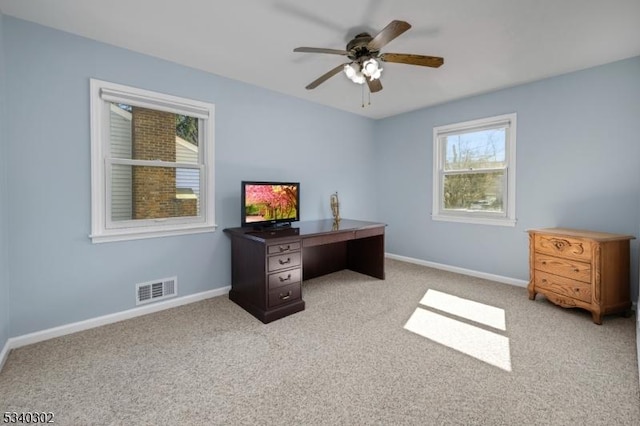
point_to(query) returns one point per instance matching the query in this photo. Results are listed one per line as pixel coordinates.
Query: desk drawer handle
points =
(282, 279)
(284, 262)
(284, 248)
(285, 296)
(544, 262)
(576, 270)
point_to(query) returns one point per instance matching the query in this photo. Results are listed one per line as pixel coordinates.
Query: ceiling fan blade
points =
(320, 50)
(407, 58)
(391, 31)
(324, 77)
(374, 85)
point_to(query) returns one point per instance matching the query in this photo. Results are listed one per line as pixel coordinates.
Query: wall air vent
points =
(156, 290)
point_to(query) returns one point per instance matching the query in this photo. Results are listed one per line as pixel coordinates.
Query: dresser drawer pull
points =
(284, 262)
(283, 279)
(576, 270)
(544, 262)
(285, 296)
(284, 248)
(544, 280)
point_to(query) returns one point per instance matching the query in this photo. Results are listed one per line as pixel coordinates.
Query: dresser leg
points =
(597, 317)
(532, 294)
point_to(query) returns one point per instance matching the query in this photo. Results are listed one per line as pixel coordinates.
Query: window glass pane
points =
(474, 192)
(141, 192)
(475, 150)
(146, 134)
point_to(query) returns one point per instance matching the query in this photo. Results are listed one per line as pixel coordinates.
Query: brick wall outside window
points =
(154, 188)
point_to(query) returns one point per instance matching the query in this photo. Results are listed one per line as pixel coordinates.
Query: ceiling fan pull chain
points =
(369, 92)
(362, 85)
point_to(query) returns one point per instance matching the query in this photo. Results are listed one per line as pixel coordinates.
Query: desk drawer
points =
(283, 248)
(328, 239)
(283, 295)
(284, 278)
(371, 232)
(283, 261)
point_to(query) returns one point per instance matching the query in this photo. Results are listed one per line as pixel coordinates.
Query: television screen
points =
(270, 203)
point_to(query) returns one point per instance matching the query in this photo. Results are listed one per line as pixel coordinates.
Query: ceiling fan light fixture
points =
(352, 71)
(358, 78)
(371, 69)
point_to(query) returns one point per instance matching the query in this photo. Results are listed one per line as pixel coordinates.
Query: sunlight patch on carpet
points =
(482, 344)
(465, 308)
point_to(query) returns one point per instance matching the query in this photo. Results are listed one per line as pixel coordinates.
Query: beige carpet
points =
(346, 359)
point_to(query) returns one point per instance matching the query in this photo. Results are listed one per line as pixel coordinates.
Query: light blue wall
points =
(4, 196)
(57, 275)
(578, 146)
(578, 152)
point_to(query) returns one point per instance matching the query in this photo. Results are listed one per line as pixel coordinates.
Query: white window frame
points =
(102, 94)
(506, 218)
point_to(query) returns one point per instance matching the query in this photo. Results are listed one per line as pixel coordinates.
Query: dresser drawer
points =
(283, 248)
(283, 295)
(280, 279)
(563, 286)
(564, 267)
(283, 261)
(561, 246)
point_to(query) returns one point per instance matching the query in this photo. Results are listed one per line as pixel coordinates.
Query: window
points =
(474, 171)
(151, 164)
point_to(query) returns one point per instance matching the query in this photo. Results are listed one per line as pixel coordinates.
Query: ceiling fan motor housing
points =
(358, 49)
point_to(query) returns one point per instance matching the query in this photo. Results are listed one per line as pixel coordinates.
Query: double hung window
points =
(151, 164)
(474, 171)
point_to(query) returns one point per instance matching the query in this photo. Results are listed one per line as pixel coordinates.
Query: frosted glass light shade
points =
(352, 71)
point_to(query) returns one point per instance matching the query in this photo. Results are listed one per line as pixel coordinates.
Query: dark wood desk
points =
(267, 267)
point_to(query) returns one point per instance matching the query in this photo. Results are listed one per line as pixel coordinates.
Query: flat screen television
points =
(269, 204)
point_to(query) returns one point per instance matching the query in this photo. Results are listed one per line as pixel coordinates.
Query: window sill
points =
(143, 233)
(475, 220)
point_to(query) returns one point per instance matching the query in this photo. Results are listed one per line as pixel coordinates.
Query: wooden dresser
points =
(581, 269)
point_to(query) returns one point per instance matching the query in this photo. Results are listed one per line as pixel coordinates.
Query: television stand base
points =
(275, 232)
(273, 227)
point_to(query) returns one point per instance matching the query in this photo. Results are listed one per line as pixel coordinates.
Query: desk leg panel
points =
(324, 259)
(248, 270)
(366, 256)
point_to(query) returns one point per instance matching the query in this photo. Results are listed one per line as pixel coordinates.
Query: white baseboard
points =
(39, 336)
(458, 270)
(4, 354)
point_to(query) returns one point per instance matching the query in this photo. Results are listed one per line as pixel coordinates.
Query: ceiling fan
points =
(364, 54)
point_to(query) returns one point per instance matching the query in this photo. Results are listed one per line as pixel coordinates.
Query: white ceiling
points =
(486, 45)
